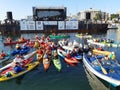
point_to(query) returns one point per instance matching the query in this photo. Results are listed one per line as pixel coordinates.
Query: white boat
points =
(112, 75)
(112, 26)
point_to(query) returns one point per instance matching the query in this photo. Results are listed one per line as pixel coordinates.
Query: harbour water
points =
(70, 78)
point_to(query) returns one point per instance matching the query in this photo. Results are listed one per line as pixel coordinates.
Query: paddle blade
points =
(103, 70)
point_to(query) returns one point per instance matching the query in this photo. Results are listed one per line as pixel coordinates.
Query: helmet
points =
(113, 52)
(18, 56)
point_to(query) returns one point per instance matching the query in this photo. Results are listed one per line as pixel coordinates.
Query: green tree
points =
(114, 16)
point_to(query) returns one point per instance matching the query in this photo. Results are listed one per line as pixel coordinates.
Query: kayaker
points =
(40, 51)
(18, 46)
(68, 55)
(100, 48)
(2, 55)
(21, 38)
(9, 40)
(18, 59)
(36, 37)
(17, 68)
(47, 39)
(112, 56)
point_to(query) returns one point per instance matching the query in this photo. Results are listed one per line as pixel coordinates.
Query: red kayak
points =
(71, 61)
(11, 68)
(15, 42)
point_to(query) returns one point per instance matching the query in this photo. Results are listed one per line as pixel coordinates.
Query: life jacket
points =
(18, 69)
(40, 52)
(3, 54)
(68, 56)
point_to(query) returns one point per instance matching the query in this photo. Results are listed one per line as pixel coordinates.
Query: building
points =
(93, 15)
(49, 13)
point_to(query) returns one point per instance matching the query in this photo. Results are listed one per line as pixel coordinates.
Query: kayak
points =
(46, 63)
(59, 36)
(95, 51)
(83, 36)
(26, 57)
(57, 64)
(56, 61)
(11, 68)
(12, 75)
(39, 57)
(15, 42)
(71, 61)
(21, 51)
(6, 57)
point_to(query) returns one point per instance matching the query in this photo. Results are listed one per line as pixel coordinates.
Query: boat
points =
(69, 60)
(95, 51)
(12, 75)
(46, 63)
(22, 51)
(112, 26)
(7, 57)
(103, 43)
(56, 61)
(25, 62)
(107, 70)
(26, 57)
(59, 36)
(16, 42)
(83, 36)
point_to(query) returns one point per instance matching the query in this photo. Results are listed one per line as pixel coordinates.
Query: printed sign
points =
(71, 24)
(61, 25)
(39, 25)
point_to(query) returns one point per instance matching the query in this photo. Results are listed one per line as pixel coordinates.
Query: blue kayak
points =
(21, 51)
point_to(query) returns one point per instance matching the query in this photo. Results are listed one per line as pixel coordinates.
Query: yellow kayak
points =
(13, 75)
(95, 51)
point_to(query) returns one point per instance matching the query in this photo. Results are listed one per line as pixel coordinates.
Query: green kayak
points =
(56, 60)
(57, 64)
(59, 36)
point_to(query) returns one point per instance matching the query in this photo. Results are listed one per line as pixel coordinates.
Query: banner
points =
(61, 25)
(71, 24)
(50, 22)
(31, 25)
(23, 25)
(39, 25)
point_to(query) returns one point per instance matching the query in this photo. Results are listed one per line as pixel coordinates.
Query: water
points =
(70, 78)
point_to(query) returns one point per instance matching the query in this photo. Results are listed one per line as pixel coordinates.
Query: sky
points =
(22, 8)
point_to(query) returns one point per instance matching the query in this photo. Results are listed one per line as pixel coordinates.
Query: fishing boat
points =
(12, 75)
(107, 70)
(16, 42)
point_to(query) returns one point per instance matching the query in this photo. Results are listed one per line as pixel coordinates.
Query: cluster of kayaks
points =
(71, 54)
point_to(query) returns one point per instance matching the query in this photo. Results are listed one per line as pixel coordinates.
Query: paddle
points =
(103, 69)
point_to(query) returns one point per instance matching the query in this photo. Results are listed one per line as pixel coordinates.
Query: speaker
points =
(9, 15)
(88, 15)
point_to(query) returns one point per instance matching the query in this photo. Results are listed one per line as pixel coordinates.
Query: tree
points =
(114, 16)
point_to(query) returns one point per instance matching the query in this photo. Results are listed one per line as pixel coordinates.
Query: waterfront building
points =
(93, 15)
